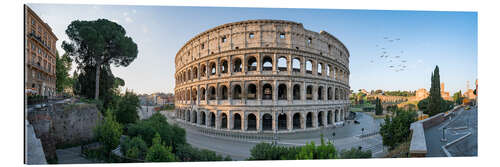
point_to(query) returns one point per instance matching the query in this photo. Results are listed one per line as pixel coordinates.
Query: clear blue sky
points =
(427, 39)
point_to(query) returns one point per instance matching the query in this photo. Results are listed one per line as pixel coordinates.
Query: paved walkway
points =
(71, 156)
(464, 122)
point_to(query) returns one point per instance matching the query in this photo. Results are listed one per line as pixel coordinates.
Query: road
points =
(346, 138)
(463, 123)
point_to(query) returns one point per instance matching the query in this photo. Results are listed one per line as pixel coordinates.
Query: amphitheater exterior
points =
(262, 76)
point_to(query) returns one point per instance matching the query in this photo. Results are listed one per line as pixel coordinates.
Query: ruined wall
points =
(64, 124)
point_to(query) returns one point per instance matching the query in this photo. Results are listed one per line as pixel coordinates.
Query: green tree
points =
(158, 152)
(98, 44)
(63, 65)
(134, 148)
(458, 98)
(127, 106)
(423, 105)
(354, 153)
(378, 107)
(108, 133)
(396, 129)
(323, 151)
(435, 99)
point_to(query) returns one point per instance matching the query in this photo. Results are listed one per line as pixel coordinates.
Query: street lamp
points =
(444, 137)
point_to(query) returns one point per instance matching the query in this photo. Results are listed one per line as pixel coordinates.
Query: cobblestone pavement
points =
(71, 156)
(346, 137)
(463, 123)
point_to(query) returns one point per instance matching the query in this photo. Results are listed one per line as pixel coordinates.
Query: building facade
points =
(40, 55)
(261, 76)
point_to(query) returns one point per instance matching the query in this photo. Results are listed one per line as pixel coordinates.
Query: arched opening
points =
(282, 122)
(329, 93)
(223, 66)
(336, 93)
(336, 115)
(251, 122)
(212, 68)
(188, 116)
(296, 121)
(282, 64)
(194, 94)
(309, 122)
(252, 92)
(212, 120)
(195, 73)
(267, 63)
(309, 92)
(223, 92)
(328, 70)
(320, 69)
(267, 92)
(202, 117)
(320, 118)
(296, 92)
(237, 92)
(211, 93)
(203, 71)
(296, 64)
(202, 93)
(320, 93)
(282, 94)
(195, 117)
(237, 122)
(309, 66)
(223, 121)
(252, 64)
(189, 74)
(237, 66)
(267, 122)
(329, 117)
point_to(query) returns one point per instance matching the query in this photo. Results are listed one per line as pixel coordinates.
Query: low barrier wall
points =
(418, 145)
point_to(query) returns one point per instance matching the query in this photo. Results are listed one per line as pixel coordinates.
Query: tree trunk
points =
(97, 77)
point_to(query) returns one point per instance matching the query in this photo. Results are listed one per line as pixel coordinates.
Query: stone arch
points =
(282, 121)
(195, 117)
(212, 119)
(329, 93)
(320, 93)
(309, 92)
(296, 64)
(237, 65)
(252, 63)
(213, 68)
(296, 92)
(320, 118)
(297, 119)
(251, 122)
(336, 115)
(236, 91)
(223, 121)
(252, 91)
(309, 121)
(309, 66)
(267, 92)
(202, 93)
(203, 71)
(237, 121)
(194, 94)
(267, 122)
(202, 117)
(329, 117)
(223, 92)
(188, 116)
(267, 63)
(320, 69)
(282, 92)
(189, 74)
(282, 64)
(336, 93)
(195, 72)
(328, 70)
(212, 93)
(223, 66)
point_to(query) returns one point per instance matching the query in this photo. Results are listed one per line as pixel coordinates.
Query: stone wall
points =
(64, 124)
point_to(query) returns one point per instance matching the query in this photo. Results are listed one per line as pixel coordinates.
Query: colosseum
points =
(262, 76)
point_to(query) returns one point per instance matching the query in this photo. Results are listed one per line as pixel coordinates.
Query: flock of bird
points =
(390, 55)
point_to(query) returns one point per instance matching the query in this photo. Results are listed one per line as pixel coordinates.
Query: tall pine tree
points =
(435, 98)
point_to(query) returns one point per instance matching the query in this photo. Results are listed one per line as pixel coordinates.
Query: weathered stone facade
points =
(260, 76)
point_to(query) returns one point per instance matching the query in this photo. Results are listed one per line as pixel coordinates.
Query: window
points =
(223, 39)
(202, 46)
(251, 35)
(282, 35)
(309, 40)
(32, 21)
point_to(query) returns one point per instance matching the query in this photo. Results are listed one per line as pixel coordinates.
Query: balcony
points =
(39, 39)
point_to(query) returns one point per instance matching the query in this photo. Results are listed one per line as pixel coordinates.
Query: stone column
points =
(289, 120)
(230, 124)
(303, 121)
(243, 121)
(315, 119)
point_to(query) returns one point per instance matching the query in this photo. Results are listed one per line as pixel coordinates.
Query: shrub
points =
(127, 106)
(108, 133)
(396, 129)
(158, 152)
(134, 148)
(354, 153)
